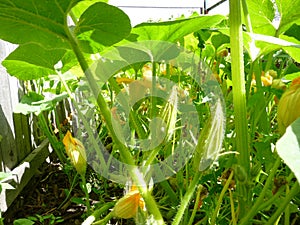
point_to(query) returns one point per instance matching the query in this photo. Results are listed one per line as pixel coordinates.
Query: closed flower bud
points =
(289, 106)
(76, 152)
(272, 73)
(278, 84)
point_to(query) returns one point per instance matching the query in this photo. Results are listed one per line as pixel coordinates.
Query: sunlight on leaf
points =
(104, 24)
(83, 5)
(289, 12)
(288, 148)
(32, 61)
(37, 21)
(173, 30)
(262, 14)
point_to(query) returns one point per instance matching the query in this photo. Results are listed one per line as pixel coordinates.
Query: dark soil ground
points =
(42, 197)
(45, 199)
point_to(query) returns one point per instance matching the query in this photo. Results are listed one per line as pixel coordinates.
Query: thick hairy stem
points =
(239, 100)
(186, 199)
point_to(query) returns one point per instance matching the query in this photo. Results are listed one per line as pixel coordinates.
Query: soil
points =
(43, 197)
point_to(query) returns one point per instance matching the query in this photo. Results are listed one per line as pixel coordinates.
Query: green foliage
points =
(51, 47)
(23, 222)
(43, 219)
(107, 28)
(40, 28)
(288, 13)
(35, 103)
(172, 31)
(262, 14)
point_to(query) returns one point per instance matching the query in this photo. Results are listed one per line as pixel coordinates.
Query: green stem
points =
(85, 122)
(52, 139)
(105, 111)
(70, 191)
(1, 219)
(225, 188)
(86, 192)
(247, 16)
(196, 205)
(105, 219)
(170, 192)
(239, 101)
(153, 98)
(283, 204)
(186, 198)
(233, 216)
(287, 210)
(137, 124)
(270, 56)
(271, 200)
(262, 194)
(97, 213)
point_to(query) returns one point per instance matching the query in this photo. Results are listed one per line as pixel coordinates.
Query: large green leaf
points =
(262, 13)
(35, 103)
(83, 5)
(291, 50)
(265, 44)
(291, 76)
(36, 21)
(102, 24)
(173, 30)
(32, 61)
(269, 43)
(294, 31)
(40, 27)
(288, 147)
(289, 13)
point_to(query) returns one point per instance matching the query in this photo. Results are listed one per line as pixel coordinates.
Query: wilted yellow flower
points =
(289, 106)
(127, 207)
(266, 79)
(124, 80)
(76, 152)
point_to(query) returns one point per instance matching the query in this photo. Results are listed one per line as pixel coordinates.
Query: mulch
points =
(43, 195)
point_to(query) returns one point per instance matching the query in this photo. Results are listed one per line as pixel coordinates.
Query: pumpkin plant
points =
(241, 180)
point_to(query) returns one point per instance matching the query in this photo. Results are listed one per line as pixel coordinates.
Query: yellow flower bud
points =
(76, 152)
(267, 80)
(272, 73)
(127, 207)
(278, 84)
(289, 106)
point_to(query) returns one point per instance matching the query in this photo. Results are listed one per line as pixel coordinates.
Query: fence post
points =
(8, 98)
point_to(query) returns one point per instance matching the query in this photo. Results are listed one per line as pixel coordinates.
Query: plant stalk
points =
(225, 188)
(198, 197)
(186, 198)
(86, 192)
(295, 190)
(105, 111)
(97, 213)
(261, 197)
(233, 215)
(239, 100)
(52, 139)
(287, 210)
